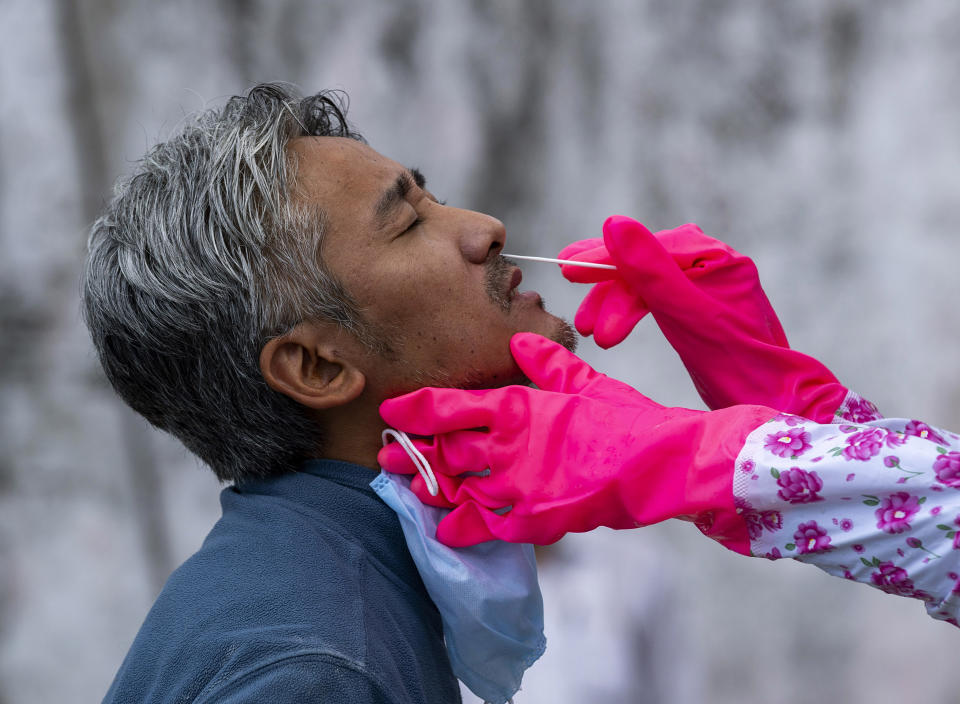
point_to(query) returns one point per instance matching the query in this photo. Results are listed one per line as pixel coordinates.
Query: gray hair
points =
(201, 258)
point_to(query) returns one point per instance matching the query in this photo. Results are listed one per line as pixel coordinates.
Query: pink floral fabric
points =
(866, 498)
(857, 409)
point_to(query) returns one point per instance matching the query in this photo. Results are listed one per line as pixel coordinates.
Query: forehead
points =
(339, 174)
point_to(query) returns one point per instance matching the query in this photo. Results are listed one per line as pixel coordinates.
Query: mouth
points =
(516, 276)
(502, 285)
(515, 295)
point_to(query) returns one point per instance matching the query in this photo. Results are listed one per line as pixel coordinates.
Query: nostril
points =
(482, 237)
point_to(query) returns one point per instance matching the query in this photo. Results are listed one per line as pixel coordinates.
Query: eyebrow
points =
(395, 195)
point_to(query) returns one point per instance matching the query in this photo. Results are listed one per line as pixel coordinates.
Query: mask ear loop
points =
(426, 471)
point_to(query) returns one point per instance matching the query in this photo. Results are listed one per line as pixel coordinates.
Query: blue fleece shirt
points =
(304, 591)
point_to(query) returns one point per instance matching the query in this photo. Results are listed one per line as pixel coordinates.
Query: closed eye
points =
(415, 224)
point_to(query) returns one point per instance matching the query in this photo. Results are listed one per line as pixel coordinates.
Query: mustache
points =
(498, 271)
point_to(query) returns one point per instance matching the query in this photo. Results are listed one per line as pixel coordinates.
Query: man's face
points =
(428, 277)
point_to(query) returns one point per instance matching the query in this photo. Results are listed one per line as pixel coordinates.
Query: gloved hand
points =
(581, 451)
(707, 300)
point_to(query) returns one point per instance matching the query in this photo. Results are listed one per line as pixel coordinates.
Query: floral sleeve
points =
(866, 498)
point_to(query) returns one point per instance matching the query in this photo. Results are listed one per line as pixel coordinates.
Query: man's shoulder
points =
(295, 676)
(272, 568)
(260, 594)
(265, 544)
(302, 677)
(281, 599)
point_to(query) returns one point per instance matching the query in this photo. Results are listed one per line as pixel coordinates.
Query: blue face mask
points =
(488, 594)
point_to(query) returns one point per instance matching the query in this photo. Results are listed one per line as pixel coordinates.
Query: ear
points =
(308, 364)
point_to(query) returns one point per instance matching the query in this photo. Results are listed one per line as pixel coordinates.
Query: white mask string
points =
(426, 471)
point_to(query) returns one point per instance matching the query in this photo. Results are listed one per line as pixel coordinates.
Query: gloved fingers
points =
(581, 246)
(699, 256)
(589, 310)
(708, 276)
(690, 247)
(469, 524)
(687, 244)
(619, 313)
(393, 458)
(447, 489)
(725, 273)
(732, 284)
(445, 466)
(648, 268)
(551, 366)
(430, 410)
(592, 250)
(449, 454)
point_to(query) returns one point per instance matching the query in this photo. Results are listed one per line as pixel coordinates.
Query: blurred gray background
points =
(819, 137)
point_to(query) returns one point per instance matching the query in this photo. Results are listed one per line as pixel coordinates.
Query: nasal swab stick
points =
(570, 262)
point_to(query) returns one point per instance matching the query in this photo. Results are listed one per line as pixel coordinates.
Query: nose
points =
(481, 236)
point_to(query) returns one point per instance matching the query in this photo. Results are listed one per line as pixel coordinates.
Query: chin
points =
(504, 372)
(556, 329)
(566, 336)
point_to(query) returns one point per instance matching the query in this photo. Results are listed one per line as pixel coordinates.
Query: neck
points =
(352, 434)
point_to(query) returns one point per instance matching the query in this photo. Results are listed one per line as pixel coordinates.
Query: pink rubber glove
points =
(706, 298)
(581, 451)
